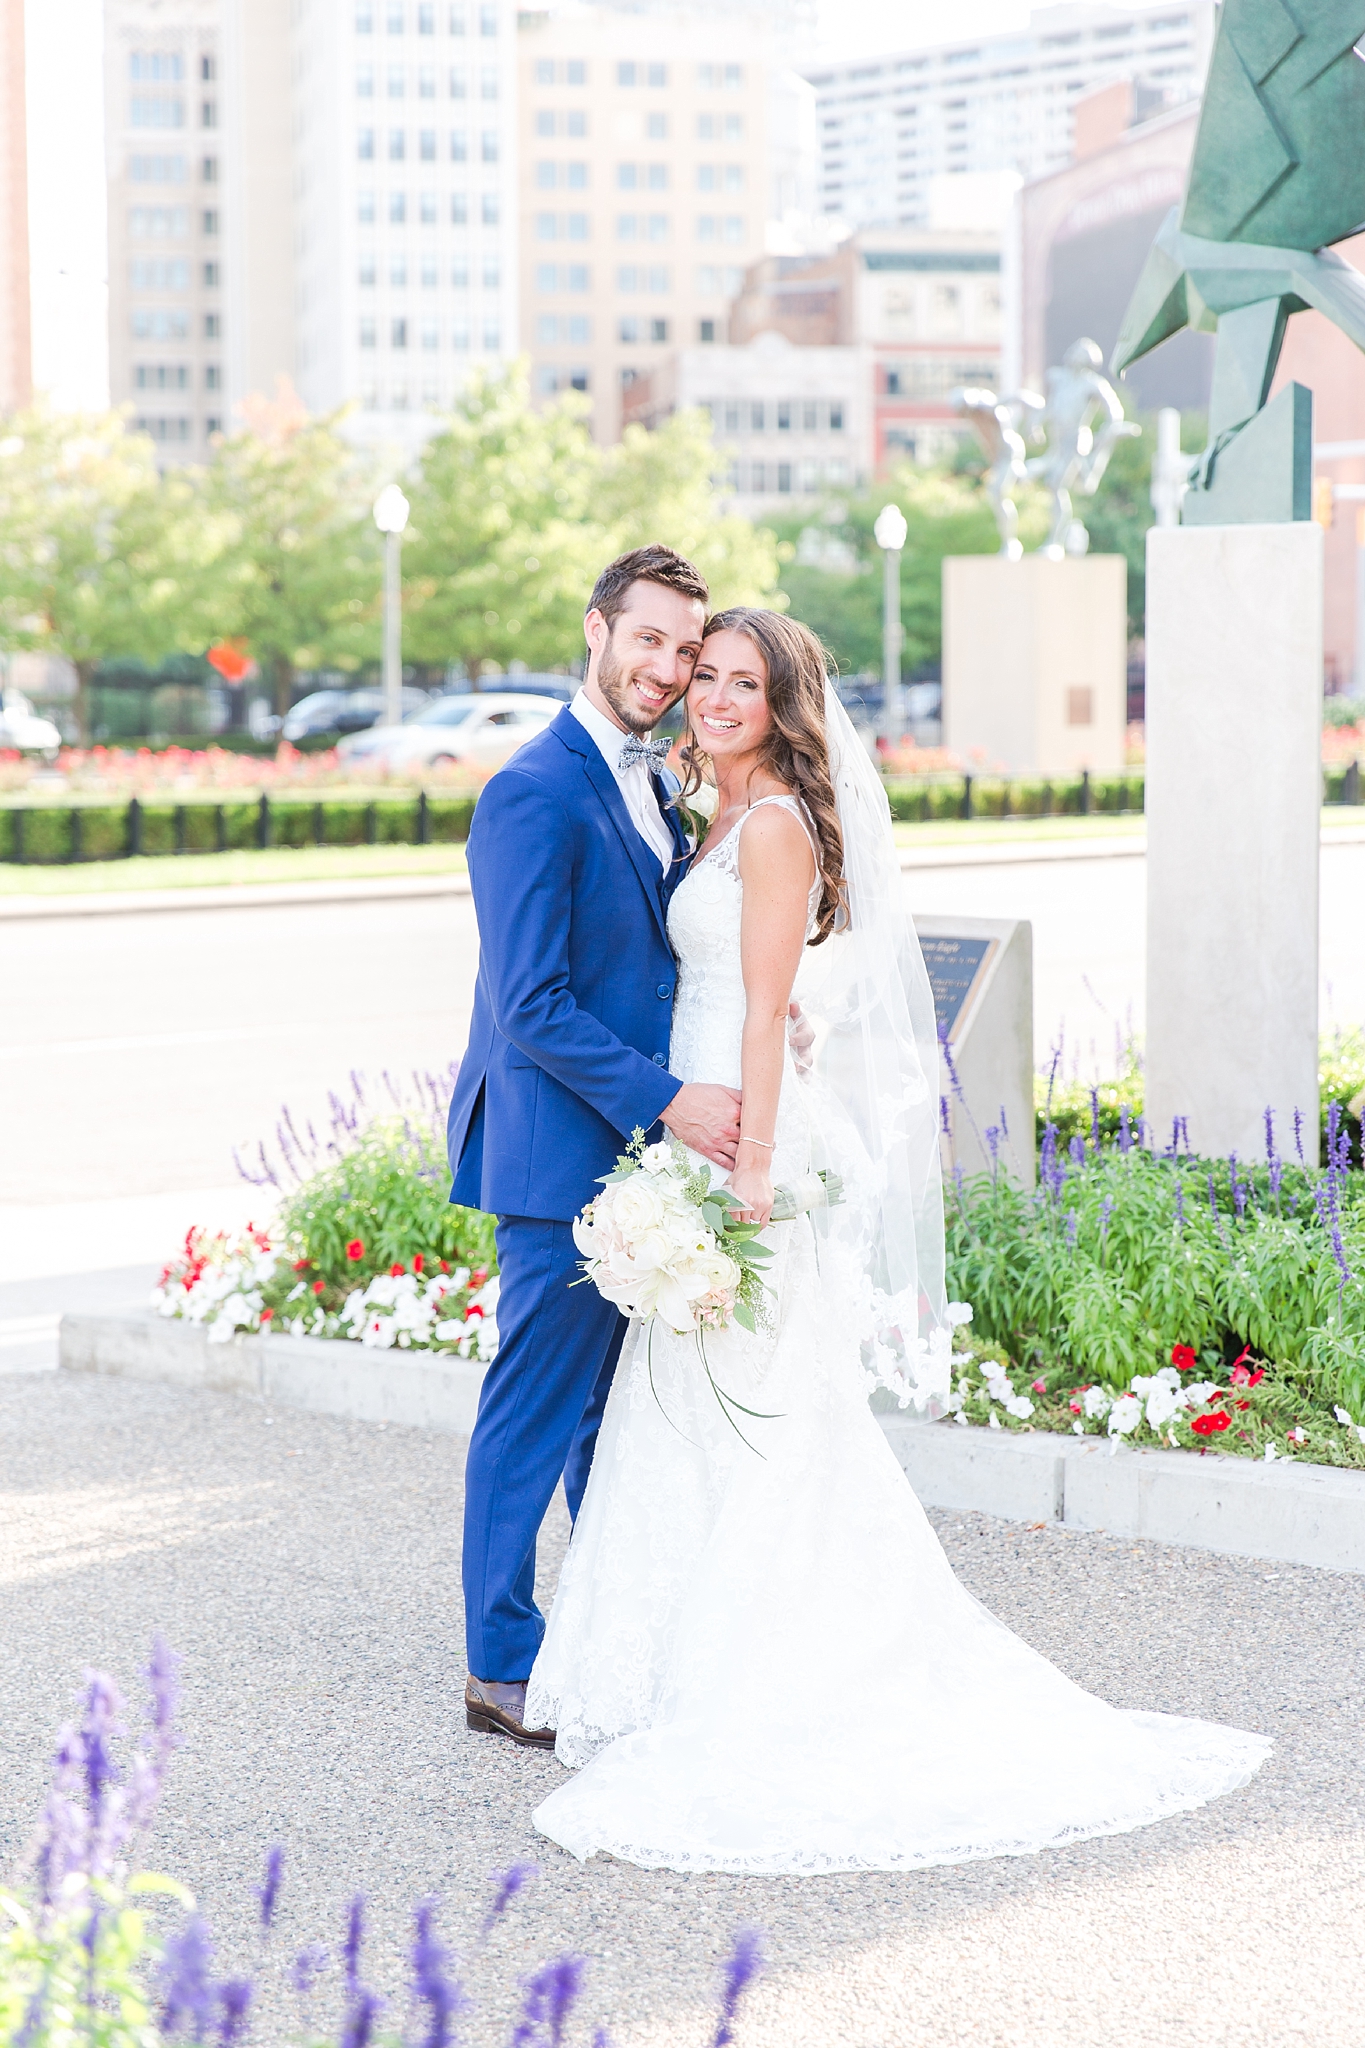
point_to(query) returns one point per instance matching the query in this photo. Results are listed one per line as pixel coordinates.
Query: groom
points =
(573, 858)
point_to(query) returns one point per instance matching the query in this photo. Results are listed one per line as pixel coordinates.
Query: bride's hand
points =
(753, 1186)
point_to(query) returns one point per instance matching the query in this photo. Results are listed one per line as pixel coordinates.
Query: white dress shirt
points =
(633, 781)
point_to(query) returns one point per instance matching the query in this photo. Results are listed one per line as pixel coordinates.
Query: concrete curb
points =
(1285, 1513)
(246, 896)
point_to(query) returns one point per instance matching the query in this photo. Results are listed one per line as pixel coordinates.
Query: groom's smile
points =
(641, 660)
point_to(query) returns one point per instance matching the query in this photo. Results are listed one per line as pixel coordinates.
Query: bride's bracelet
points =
(745, 1140)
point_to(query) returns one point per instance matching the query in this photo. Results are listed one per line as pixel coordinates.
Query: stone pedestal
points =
(1035, 663)
(981, 973)
(1234, 780)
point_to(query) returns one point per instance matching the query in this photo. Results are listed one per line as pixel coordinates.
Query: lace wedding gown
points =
(764, 1662)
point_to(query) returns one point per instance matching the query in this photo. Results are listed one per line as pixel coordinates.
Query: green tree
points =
(302, 571)
(100, 556)
(660, 486)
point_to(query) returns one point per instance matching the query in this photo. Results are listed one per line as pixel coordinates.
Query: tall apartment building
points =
(164, 123)
(888, 125)
(405, 201)
(16, 349)
(645, 173)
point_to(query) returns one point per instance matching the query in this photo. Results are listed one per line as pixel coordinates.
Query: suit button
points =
(659, 1059)
(664, 990)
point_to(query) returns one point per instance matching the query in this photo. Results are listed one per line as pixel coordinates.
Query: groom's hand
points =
(706, 1117)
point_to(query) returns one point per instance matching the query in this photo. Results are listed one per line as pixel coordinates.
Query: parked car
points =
(483, 728)
(23, 730)
(530, 683)
(342, 711)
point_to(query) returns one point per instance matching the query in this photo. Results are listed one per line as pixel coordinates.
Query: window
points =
(545, 123)
(398, 269)
(658, 177)
(364, 19)
(706, 330)
(212, 277)
(213, 326)
(457, 21)
(488, 83)
(576, 122)
(208, 69)
(547, 227)
(161, 324)
(720, 77)
(154, 111)
(492, 335)
(545, 177)
(658, 330)
(625, 74)
(489, 212)
(398, 333)
(364, 208)
(398, 208)
(156, 67)
(159, 223)
(628, 330)
(545, 71)
(364, 145)
(810, 416)
(431, 334)
(457, 82)
(426, 82)
(707, 227)
(208, 170)
(426, 19)
(627, 226)
(759, 476)
(366, 268)
(734, 227)
(625, 177)
(656, 127)
(364, 81)
(163, 429)
(161, 377)
(459, 209)
(658, 227)
(398, 145)
(732, 416)
(393, 18)
(734, 177)
(575, 72)
(426, 146)
(459, 274)
(708, 177)
(459, 146)
(160, 274)
(488, 145)
(488, 26)
(628, 278)
(431, 276)
(492, 274)
(213, 377)
(836, 417)
(208, 114)
(160, 170)
(757, 417)
(427, 209)
(367, 334)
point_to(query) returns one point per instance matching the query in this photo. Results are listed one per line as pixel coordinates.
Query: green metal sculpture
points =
(1278, 172)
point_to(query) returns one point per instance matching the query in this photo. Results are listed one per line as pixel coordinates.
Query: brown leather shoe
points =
(493, 1707)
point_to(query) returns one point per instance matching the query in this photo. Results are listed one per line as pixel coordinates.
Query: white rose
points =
(657, 1158)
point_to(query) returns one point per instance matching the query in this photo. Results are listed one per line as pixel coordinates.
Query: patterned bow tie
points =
(654, 752)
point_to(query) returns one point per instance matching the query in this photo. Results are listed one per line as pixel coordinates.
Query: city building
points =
(793, 422)
(16, 349)
(164, 122)
(887, 126)
(923, 309)
(644, 140)
(405, 203)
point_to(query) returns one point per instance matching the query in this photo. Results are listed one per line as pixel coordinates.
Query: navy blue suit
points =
(568, 1054)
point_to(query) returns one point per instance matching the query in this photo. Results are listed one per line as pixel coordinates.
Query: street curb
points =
(247, 896)
(1287, 1513)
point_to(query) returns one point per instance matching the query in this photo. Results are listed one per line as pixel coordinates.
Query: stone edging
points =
(1286, 1513)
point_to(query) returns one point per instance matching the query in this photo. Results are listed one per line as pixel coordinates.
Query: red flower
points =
(1205, 1425)
(396, 1268)
(1183, 1357)
(318, 1286)
(1074, 1406)
(418, 1263)
(300, 1265)
(1240, 1377)
(266, 1314)
(355, 1249)
(444, 1267)
(1244, 1404)
(1254, 1378)
(477, 1278)
(1040, 1386)
(473, 1313)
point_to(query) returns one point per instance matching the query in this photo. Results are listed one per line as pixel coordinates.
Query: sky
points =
(68, 249)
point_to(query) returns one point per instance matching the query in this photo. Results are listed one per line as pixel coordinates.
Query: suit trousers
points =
(539, 1411)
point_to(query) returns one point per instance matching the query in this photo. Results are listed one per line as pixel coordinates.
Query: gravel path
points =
(308, 1572)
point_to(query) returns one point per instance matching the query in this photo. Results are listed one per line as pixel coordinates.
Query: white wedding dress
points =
(764, 1662)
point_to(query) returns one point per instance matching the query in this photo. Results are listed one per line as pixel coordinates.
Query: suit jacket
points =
(568, 1044)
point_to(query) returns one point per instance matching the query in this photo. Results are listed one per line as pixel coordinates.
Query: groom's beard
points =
(614, 680)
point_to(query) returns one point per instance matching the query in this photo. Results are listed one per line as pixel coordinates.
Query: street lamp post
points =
(889, 533)
(391, 516)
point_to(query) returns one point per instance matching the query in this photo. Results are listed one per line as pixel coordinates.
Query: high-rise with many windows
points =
(164, 122)
(405, 201)
(888, 125)
(644, 190)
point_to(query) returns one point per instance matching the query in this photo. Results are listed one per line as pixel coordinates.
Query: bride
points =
(758, 1658)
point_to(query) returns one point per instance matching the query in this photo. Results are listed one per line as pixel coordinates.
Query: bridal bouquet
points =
(661, 1240)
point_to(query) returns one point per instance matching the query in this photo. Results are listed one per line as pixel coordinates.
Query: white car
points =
(23, 730)
(483, 728)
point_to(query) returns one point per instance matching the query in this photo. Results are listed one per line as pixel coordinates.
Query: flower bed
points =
(1167, 1299)
(210, 770)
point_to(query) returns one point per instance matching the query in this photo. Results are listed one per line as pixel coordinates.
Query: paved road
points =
(307, 1570)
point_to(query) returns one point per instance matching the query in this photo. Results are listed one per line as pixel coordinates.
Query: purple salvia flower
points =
(34, 2015)
(1004, 1125)
(601, 2038)
(1095, 1118)
(1106, 1211)
(355, 1935)
(993, 1144)
(361, 2014)
(101, 1724)
(1052, 1074)
(1268, 1115)
(508, 1885)
(1180, 1208)
(550, 1997)
(1077, 1151)
(431, 1980)
(745, 1962)
(187, 1987)
(1298, 1136)
(307, 1966)
(1073, 1225)
(943, 1123)
(268, 1891)
(234, 2002)
(1125, 1129)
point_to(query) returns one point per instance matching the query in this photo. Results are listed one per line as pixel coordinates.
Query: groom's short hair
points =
(653, 564)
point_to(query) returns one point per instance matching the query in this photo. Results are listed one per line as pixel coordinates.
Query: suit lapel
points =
(682, 846)
(642, 858)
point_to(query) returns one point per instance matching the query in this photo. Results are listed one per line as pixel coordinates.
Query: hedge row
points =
(47, 834)
(976, 796)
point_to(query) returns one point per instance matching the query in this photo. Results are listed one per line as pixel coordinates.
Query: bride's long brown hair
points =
(796, 750)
